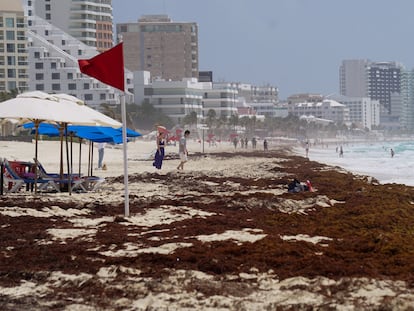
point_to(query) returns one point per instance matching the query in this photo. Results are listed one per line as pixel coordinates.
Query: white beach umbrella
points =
(40, 107)
(44, 108)
(98, 117)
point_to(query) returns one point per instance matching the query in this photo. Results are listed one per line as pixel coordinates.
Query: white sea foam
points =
(372, 159)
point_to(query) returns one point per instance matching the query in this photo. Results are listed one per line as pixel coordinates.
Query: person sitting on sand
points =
(295, 186)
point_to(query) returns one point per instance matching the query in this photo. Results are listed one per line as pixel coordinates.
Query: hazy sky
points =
(296, 45)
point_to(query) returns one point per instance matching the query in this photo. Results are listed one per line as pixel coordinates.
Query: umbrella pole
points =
(36, 123)
(1, 176)
(68, 160)
(80, 155)
(61, 129)
(71, 152)
(91, 158)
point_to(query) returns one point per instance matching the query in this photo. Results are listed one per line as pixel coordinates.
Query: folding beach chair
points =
(11, 182)
(75, 180)
(14, 181)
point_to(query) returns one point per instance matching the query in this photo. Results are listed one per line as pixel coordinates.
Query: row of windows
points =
(11, 35)
(161, 28)
(103, 44)
(105, 35)
(107, 27)
(13, 73)
(11, 61)
(37, 54)
(13, 85)
(56, 76)
(11, 48)
(57, 87)
(10, 22)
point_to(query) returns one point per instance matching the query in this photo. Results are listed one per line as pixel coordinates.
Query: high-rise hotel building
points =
(89, 21)
(376, 80)
(13, 47)
(167, 49)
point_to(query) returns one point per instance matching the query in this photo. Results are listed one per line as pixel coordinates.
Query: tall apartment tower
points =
(13, 47)
(89, 21)
(376, 80)
(352, 78)
(167, 49)
(407, 99)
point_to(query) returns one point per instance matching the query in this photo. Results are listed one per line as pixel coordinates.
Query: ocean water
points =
(372, 159)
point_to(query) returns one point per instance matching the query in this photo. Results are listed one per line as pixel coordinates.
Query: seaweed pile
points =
(363, 231)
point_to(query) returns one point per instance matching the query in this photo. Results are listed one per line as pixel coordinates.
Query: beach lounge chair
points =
(79, 182)
(11, 183)
(15, 180)
(75, 180)
(92, 183)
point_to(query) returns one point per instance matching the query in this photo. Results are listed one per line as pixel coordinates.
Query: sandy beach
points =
(224, 234)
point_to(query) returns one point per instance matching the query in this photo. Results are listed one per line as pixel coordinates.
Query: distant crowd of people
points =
(244, 143)
(339, 148)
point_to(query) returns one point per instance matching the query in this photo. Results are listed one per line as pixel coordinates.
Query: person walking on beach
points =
(101, 152)
(159, 154)
(307, 149)
(235, 142)
(254, 142)
(392, 153)
(341, 152)
(182, 150)
(265, 145)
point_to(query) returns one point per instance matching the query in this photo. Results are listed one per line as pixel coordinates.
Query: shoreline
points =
(370, 159)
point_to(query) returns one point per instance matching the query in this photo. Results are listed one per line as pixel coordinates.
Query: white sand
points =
(137, 152)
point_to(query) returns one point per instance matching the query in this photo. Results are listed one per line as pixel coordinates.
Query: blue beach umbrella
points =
(93, 133)
(97, 134)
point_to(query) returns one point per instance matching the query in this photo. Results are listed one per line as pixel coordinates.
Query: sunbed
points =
(79, 182)
(14, 181)
(75, 180)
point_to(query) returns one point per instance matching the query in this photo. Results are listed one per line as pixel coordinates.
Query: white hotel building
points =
(179, 98)
(325, 109)
(363, 111)
(13, 47)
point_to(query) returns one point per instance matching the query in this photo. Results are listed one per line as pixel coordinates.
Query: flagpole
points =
(108, 67)
(124, 143)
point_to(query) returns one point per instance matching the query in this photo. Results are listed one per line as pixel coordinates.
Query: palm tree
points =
(110, 111)
(145, 116)
(8, 95)
(190, 118)
(211, 118)
(234, 120)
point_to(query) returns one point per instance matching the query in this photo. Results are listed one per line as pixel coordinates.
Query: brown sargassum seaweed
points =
(371, 230)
